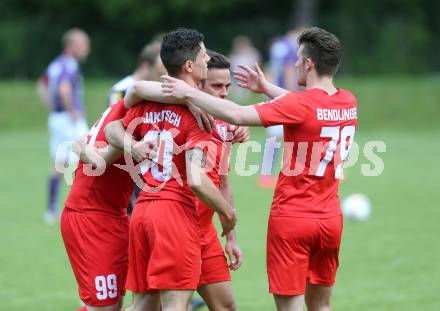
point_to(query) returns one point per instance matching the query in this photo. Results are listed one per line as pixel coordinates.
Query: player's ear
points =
(188, 66)
(309, 64)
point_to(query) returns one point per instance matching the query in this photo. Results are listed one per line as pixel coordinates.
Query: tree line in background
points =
(379, 36)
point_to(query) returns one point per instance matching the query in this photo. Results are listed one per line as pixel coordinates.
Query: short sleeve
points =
(69, 72)
(132, 114)
(287, 109)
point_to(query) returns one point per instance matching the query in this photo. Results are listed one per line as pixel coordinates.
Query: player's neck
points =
(69, 53)
(140, 74)
(324, 83)
(189, 80)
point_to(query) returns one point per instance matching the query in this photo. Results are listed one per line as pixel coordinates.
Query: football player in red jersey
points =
(165, 246)
(215, 280)
(93, 194)
(305, 223)
(214, 286)
(94, 224)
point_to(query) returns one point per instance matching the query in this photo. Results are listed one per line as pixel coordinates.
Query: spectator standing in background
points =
(61, 89)
(243, 53)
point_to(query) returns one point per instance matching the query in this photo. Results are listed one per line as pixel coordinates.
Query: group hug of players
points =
(170, 247)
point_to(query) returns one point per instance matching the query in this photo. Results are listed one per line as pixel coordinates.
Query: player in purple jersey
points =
(62, 91)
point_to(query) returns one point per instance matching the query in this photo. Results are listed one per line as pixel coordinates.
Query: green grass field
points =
(390, 262)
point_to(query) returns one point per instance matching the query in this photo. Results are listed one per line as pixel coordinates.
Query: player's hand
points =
(175, 88)
(240, 134)
(228, 221)
(233, 252)
(253, 80)
(204, 120)
(87, 153)
(78, 146)
(75, 115)
(144, 150)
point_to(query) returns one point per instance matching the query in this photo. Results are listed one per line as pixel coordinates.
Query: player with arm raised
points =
(214, 286)
(305, 223)
(165, 247)
(149, 67)
(283, 56)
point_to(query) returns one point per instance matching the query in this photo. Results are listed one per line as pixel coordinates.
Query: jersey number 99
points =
(106, 287)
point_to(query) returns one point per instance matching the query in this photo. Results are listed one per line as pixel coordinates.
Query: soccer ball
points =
(356, 207)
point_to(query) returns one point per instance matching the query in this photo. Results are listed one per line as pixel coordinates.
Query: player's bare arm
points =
(99, 158)
(151, 91)
(221, 108)
(142, 90)
(255, 81)
(232, 249)
(65, 92)
(147, 90)
(43, 92)
(206, 191)
(139, 150)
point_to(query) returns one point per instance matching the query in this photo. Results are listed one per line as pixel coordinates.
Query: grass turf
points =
(387, 263)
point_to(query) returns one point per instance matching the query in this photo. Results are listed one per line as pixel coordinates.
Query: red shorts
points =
(214, 264)
(164, 247)
(301, 250)
(97, 246)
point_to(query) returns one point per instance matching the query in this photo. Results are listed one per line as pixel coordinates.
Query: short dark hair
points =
(149, 53)
(179, 46)
(323, 48)
(218, 61)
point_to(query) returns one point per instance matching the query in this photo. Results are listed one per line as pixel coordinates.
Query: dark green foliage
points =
(388, 36)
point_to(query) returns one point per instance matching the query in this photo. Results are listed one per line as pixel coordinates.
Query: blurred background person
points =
(61, 88)
(149, 67)
(283, 73)
(243, 52)
(146, 69)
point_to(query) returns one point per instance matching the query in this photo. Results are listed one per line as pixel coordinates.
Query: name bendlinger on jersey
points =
(178, 132)
(318, 133)
(110, 192)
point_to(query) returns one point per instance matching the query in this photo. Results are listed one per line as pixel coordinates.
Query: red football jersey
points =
(217, 163)
(109, 193)
(318, 133)
(218, 152)
(178, 132)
